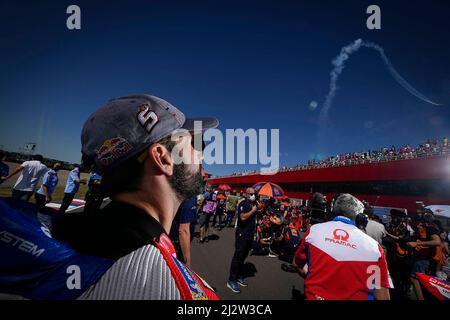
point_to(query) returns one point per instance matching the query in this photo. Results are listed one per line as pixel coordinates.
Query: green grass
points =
(58, 194)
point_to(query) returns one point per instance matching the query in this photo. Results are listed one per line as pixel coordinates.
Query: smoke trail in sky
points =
(396, 75)
(339, 64)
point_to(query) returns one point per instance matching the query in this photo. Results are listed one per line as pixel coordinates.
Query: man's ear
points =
(160, 159)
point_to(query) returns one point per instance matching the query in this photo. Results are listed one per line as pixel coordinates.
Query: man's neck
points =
(161, 207)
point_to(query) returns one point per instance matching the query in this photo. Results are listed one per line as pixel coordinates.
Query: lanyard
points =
(344, 220)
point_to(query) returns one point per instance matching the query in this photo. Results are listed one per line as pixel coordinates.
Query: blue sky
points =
(252, 64)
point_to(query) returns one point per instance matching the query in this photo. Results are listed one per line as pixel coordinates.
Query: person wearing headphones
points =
(339, 261)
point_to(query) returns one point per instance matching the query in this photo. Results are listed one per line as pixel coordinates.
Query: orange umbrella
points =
(268, 189)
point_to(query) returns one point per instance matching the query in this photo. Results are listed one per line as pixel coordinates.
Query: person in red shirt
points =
(339, 261)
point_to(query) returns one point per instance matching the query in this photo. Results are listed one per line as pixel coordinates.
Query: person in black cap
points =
(149, 156)
(317, 206)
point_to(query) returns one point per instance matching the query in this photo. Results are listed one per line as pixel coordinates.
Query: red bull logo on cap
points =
(113, 149)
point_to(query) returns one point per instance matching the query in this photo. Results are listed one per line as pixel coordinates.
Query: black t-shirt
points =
(430, 230)
(113, 232)
(246, 228)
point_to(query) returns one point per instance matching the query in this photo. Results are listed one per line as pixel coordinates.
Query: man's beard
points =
(186, 184)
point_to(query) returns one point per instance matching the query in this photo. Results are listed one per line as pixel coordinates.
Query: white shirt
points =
(31, 173)
(375, 230)
(141, 275)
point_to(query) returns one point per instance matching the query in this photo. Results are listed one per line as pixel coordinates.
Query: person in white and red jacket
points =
(339, 261)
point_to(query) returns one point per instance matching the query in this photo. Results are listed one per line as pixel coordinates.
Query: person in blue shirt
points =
(72, 186)
(182, 230)
(49, 183)
(4, 169)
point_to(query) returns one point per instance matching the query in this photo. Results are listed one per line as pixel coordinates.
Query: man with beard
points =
(150, 162)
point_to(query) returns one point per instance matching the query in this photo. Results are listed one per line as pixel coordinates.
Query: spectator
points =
(207, 193)
(374, 229)
(427, 239)
(207, 211)
(4, 169)
(231, 205)
(384, 154)
(30, 173)
(398, 253)
(442, 252)
(409, 227)
(72, 186)
(291, 240)
(339, 245)
(317, 208)
(146, 187)
(182, 230)
(220, 211)
(49, 183)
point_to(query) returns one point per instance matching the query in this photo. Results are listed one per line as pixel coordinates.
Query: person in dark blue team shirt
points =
(4, 169)
(245, 231)
(182, 230)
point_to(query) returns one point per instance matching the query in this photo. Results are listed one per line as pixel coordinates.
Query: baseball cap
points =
(125, 126)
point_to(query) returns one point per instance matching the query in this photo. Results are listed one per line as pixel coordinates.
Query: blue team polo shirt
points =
(50, 180)
(71, 185)
(187, 213)
(246, 228)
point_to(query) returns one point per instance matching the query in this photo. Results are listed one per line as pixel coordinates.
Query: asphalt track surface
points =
(266, 280)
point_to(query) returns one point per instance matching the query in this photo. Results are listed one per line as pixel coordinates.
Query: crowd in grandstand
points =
(428, 149)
